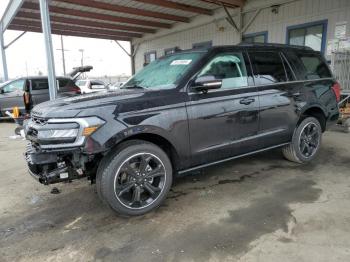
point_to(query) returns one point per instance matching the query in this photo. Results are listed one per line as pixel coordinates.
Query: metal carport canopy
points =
(104, 19)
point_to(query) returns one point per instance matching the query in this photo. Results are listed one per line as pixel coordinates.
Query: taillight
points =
(76, 90)
(336, 89)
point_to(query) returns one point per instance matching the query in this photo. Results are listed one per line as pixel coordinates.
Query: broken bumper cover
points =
(47, 168)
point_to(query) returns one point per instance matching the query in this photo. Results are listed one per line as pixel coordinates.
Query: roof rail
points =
(275, 45)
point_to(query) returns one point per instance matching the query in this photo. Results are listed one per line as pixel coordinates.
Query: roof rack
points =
(275, 45)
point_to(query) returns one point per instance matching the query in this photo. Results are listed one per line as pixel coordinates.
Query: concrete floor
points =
(260, 208)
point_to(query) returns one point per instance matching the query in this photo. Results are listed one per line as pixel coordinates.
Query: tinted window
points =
(268, 67)
(13, 86)
(230, 68)
(287, 68)
(64, 82)
(315, 67)
(40, 84)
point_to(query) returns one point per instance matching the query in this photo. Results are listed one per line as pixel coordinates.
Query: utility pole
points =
(63, 56)
(82, 56)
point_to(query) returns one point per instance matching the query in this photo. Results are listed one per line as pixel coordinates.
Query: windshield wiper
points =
(133, 87)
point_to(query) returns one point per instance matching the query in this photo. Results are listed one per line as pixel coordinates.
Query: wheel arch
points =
(316, 112)
(160, 141)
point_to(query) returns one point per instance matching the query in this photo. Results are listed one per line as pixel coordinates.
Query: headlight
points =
(64, 133)
(72, 130)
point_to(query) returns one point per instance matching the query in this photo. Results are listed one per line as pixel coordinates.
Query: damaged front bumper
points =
(52, 167)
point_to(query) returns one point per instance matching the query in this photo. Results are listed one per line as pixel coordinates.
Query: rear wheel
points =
(305, 143)
(135, 179)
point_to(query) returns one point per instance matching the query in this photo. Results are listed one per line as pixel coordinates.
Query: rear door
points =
(12, 95)
(224, 122)
(277, 93)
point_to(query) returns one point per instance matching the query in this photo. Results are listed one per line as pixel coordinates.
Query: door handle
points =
(246, 101)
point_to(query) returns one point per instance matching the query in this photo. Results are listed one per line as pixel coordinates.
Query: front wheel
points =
(305, 143)
(134, 179)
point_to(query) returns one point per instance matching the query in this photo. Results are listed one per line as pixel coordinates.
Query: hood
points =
(72, 106)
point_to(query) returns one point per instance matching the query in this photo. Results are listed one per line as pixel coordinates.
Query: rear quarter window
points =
(315, 67)
(40, 84)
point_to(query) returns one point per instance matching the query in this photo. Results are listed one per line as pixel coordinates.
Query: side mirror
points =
(2, 91)
(204, 83)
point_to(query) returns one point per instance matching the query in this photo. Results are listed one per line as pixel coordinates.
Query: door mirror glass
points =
(204, 83)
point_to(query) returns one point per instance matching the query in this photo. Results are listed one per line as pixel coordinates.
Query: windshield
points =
(81, 83)
(165, 72)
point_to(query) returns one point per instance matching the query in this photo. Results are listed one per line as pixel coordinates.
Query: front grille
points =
(39, 120)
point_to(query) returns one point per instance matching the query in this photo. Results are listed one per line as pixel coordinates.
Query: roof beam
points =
(74, 28)
(66, 32)
(86, 14)
(228, 3)
(10, 12)
(74, 21)
(178, 6)
(125, 9)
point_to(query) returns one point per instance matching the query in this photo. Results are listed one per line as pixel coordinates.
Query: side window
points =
(315, 67)
(268, 67)
(287, 68)
(64, 82)
(150, 57)
(13, 86)
(228, 67)
(40, 84)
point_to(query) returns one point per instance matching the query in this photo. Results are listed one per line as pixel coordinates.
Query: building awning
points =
(114, 19)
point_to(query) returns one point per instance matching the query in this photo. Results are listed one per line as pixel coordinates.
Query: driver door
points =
(12, 96)
(223, 122)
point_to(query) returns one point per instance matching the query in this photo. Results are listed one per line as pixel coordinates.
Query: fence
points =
(341, 69)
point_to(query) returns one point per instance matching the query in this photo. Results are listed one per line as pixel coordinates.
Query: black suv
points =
(183, 112)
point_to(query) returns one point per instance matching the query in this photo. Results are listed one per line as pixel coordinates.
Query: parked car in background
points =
(91, 85)
(116, 85)
(12, 92)
(184, 112)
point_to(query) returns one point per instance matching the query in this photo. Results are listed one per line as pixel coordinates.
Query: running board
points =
(181, 172)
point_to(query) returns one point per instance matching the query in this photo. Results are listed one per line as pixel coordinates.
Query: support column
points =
(132, 58)
(3, 55)
(46, 26)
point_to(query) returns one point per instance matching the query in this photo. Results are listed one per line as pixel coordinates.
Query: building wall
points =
(218, 30)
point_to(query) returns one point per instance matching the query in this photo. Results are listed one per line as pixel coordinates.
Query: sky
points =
(27, 55)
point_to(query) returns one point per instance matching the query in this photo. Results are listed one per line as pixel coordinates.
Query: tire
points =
(296, 151)
(135, 178)
(347, 126)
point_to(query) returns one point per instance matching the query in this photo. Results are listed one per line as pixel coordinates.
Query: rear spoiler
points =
(75, 73)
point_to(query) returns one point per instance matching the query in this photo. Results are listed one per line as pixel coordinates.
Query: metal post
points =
(82, 57)
(3, 55)
(132, 58)
(63, 58)
(45, 21)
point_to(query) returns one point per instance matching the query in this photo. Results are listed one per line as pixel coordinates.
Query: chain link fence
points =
(341, 69)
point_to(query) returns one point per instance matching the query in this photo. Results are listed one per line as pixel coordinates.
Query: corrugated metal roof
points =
(110, 19)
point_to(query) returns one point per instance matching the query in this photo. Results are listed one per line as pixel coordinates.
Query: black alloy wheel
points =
(139, 180)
